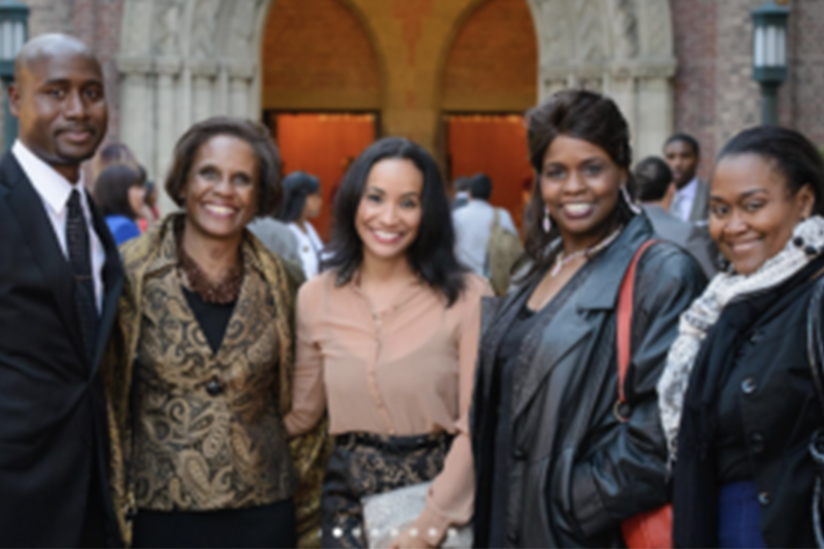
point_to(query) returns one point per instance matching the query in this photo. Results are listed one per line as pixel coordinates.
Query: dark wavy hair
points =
(584, 115)
(431, 255)
(111, 191)
(296, 187)
(254, 134)
(791, 154)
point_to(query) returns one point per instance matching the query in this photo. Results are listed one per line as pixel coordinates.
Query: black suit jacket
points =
(53, 428)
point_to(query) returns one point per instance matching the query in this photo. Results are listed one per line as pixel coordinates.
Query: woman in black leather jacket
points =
(555, 465)
(738, 399)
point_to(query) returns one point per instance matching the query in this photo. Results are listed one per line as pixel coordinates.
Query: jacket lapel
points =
(112, 285)
(28, 210)
(574, 322)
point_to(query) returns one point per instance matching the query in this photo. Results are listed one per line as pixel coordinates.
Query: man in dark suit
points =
(60, 279)
(654, 188)
(692, 197)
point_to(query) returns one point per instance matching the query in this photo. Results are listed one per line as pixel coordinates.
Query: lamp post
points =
(769, 60)
(14, 22)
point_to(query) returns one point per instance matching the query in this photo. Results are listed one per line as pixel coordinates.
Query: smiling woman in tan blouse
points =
(386, 342)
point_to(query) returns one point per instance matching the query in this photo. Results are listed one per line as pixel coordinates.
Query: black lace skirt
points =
(364, 464)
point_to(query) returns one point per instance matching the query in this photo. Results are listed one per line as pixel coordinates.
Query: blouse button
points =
(214, 388)
(764, 498)
(748, 386)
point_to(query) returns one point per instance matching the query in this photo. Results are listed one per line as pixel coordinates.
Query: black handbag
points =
(815, 352)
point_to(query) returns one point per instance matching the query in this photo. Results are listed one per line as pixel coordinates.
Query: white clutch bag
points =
(386, 515)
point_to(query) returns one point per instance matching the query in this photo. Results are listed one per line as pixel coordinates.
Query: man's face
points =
(682, 160)
(60, 102)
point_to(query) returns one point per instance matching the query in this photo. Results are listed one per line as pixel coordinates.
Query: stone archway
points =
(621, 47)
(182, 61)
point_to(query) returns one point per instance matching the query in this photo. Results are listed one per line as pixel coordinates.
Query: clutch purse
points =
(388, 514)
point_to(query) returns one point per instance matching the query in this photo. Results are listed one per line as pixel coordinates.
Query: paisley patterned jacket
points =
(193, 430)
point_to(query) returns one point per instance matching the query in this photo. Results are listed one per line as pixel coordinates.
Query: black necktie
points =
(77, 242)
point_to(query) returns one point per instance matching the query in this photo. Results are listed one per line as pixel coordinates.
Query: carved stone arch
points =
(623, 48)
(182, 61)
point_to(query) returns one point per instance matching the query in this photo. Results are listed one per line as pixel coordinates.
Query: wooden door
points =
(323, 144)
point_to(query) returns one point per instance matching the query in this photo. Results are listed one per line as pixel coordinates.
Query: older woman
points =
(386, 341)
(737, 398)
(559, 463)
(199, 381)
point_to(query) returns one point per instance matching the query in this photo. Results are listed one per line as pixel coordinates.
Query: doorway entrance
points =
(496, 145)
(322, 144)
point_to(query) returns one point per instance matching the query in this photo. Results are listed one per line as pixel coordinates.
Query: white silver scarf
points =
(695, 322)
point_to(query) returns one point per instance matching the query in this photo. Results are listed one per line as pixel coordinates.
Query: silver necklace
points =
(561, 261)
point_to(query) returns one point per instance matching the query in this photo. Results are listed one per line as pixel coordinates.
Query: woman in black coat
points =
(556, 464)
(738, 401)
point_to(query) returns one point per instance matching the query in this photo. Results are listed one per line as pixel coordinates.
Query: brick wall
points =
(493, 62)
(715, 96)
(317, 55)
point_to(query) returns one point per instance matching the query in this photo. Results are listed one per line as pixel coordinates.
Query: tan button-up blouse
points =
(406, 370)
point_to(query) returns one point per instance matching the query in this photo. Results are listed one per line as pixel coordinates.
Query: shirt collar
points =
(48, 182)
(690, 188)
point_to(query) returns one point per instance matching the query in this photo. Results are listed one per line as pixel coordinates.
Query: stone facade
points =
(671, 64)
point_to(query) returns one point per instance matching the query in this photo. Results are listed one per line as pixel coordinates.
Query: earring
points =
(547, 224)
(628, 199)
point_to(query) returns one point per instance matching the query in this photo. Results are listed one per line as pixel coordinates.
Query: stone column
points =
(136, 108)
(166, 128)
(240, 89)
(204, 72)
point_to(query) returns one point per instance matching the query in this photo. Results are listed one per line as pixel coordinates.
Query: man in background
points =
(655, 189)
(691, 200)
(486, 239)
(461, 186)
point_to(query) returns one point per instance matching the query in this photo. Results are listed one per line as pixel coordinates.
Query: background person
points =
(302, 201)
(200, 377)
(386, 341)
(654, 188)
(473, 224)
(738, 401)
(60, 278)
(119, 193)
(691, 200)
(557, 463)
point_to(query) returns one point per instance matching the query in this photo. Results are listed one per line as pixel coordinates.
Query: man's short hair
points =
(480, 186)
(461, 184)
(652, 179)
(684, 138)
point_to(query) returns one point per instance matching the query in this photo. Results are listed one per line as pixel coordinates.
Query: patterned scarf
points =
(806, 243)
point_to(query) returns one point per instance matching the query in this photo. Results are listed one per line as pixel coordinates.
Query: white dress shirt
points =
(54, 191)
(473, 225)
(684, 199)
(309, 248)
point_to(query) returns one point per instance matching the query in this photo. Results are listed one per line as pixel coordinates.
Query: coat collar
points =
(600, 291)
(164, 238)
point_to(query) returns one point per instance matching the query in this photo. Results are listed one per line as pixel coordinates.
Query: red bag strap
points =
(625, 305)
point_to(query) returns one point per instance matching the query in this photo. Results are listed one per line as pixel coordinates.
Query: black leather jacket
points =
(575, 471)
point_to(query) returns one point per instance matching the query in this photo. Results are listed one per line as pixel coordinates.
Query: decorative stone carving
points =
(183, 61)
(621, 47)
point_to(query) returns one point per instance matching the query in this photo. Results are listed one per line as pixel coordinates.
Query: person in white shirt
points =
(302, 201)
(691, 200)
(473, 224)
(60, 282)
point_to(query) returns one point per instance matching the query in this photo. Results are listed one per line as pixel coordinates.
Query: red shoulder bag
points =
(651, 529)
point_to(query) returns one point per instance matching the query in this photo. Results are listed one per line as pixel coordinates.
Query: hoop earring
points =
(547, 223)
(628, 199)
